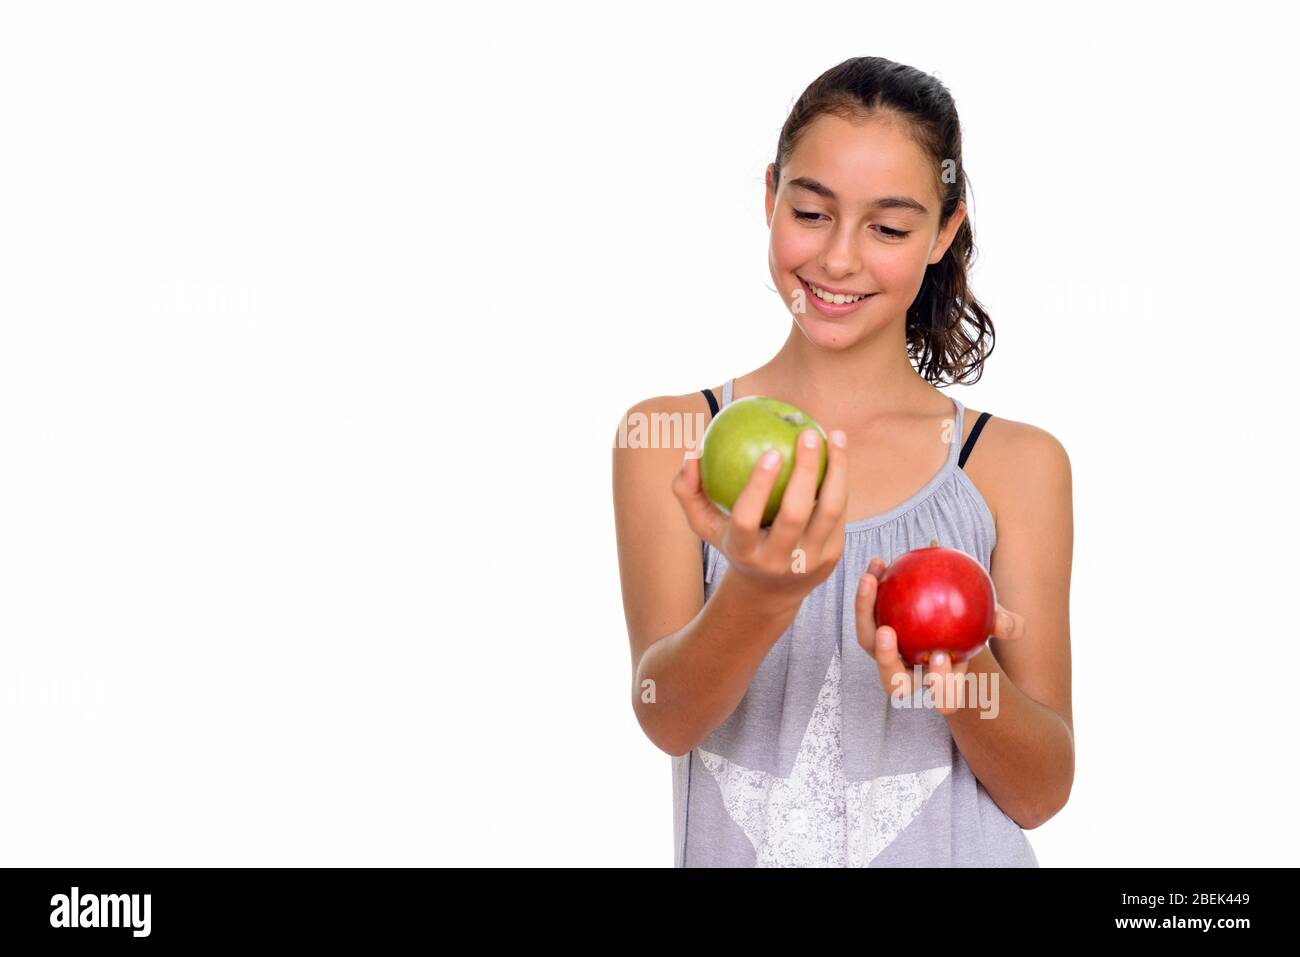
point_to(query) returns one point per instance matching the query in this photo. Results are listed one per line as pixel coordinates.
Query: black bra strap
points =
(970, 441)
(713, 403)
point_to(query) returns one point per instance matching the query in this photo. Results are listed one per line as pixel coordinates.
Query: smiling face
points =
(856, 213)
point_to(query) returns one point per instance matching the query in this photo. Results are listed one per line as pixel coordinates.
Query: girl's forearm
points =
(1023, 756)
(689, 682)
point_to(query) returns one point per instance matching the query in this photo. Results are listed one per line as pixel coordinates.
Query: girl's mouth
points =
(835, 309)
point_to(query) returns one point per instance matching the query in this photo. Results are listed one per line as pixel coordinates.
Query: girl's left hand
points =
(882, 644)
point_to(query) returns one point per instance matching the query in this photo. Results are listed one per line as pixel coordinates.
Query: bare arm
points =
(1025, 757)
(698, 674)
(693, 661)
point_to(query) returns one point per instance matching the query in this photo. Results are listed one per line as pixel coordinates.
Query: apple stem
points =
(934, 543)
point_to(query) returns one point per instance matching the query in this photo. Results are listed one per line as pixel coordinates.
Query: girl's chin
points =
(828, 333)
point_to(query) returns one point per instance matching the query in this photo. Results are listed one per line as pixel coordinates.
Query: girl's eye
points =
(886, 230)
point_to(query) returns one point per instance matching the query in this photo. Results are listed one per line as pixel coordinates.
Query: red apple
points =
(936, 599)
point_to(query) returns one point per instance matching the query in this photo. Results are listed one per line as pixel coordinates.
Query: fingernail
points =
(1006, 621)
(768, 461)
(810, 439)
(938, 659)
(839, 438)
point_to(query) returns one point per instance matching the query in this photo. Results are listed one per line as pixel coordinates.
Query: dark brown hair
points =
(949, 334)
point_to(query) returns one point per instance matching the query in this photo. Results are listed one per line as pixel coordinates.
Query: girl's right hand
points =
(806, 539)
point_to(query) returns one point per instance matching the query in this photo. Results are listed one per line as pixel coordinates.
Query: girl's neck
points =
(846, 389)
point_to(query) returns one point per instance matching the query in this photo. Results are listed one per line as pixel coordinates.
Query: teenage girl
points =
(798, 735)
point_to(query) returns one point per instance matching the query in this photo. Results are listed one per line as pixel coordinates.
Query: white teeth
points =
(835, 298)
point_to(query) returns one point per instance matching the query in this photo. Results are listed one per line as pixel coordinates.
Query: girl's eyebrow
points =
(884, 202)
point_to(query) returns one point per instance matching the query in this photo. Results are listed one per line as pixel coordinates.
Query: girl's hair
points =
(949, 334)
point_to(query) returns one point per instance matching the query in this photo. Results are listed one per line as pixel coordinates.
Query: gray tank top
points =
(815, 767)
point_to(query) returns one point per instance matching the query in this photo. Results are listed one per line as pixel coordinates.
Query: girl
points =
(798, 736)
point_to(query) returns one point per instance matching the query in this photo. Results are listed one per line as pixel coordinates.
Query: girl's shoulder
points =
(1012, 439)
(1012, 459)
(668, 404)
(667, 424)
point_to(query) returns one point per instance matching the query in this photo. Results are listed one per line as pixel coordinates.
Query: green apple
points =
(739, 435)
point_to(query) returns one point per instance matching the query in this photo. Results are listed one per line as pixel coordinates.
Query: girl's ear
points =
(770, 202)
(948, 233)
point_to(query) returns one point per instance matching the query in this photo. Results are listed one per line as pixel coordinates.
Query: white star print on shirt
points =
(815, 817)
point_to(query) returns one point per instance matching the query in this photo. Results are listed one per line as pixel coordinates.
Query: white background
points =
(316, 322)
